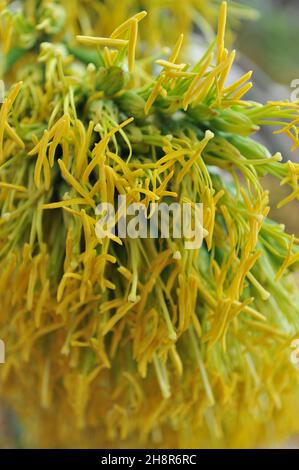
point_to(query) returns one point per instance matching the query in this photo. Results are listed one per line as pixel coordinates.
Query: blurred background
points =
(272, 41)
(270, 47)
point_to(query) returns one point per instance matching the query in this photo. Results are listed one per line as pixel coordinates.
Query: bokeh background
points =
(270, 47)
(272, 41)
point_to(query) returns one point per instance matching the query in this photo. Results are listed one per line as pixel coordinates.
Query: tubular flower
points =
(114, 341)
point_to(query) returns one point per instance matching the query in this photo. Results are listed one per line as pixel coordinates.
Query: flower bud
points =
(132, 104)
(110, 80)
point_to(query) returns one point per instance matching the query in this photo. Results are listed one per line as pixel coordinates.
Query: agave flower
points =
(141, 341)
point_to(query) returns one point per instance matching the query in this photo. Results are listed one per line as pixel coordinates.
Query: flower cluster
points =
(139, 339)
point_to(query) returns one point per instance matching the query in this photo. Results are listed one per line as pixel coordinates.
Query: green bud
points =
(132, 104)
(134, 134)
(234, 122)
(110, 80)
(26, 34)
(248, 147)
(52, 18)
(202, 112)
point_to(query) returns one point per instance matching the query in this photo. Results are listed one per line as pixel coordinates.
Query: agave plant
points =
(125, 342)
